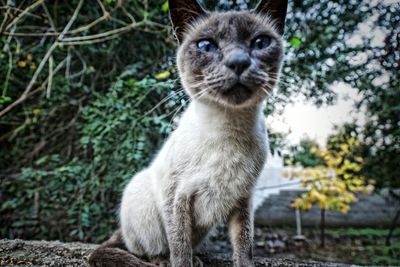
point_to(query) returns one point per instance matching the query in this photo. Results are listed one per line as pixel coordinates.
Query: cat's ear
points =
(276, 9)
(182, 13)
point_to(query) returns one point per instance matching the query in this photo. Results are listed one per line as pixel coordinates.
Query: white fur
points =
(215, 154)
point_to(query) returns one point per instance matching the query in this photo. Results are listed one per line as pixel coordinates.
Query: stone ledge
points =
(56, 254)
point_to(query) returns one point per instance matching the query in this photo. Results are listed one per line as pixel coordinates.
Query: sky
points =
(305, 119)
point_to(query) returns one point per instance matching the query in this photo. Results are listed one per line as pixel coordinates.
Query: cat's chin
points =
(235, 89)
(236, 97)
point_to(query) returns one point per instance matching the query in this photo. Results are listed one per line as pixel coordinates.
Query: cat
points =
(205, 172)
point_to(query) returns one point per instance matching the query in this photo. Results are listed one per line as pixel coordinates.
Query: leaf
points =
(163, 75)
(4, 99)
(295, 42)
(165, 6)
(42, 160)
(21, 64)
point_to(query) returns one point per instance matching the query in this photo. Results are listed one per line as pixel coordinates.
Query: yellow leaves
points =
(36, 111)
(318, 197)
(163, 75)
(22, 64)
(359, 159)
(333, 186)
(344, 208)
(27, 61)
(314, 149)
(313, 195)
(300, 203)
(322, 205)
(344, 147)
(288, 162)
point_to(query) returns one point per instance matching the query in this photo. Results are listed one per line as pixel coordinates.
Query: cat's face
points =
(231, 59)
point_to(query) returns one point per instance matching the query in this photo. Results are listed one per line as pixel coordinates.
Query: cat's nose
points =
(238, 62)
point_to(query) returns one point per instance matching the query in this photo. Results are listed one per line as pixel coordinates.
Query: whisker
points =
(201, 93)
(176, 110)
(165, 99)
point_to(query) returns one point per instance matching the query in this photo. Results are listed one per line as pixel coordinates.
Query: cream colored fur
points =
(205, 172)
(215, 155)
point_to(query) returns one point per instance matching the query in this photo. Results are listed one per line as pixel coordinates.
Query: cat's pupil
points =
(262, 42)
(207, 45)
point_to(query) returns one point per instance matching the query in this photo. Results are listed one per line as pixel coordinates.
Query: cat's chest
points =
(223, 175)
(217, 162)
(222, 159)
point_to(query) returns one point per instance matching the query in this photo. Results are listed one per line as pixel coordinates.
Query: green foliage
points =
(378, 146)
(361, 232)
(48, 203)
(276, 141)
(68, 148)
(77, 199)
(295, 42)
(376, 255)
(165, 6)
(123, 129)
(303, 155)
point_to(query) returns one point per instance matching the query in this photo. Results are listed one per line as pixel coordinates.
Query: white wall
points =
(272, 180)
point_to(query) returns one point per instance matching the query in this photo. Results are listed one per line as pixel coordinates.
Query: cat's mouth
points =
(233, 91)
(237, 94)
(235, 88)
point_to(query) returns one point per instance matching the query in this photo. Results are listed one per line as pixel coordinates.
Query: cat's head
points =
(229, 58)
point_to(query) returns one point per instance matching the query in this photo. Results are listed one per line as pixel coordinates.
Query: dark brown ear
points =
(276, 9)
(182, 13)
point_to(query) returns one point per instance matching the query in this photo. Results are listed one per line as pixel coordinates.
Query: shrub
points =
(77, 199)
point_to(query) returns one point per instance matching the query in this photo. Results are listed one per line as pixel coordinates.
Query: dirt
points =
(56, 254)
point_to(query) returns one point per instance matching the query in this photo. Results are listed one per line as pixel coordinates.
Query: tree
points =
(303, 154)
(380, 88)
(334, 184)
(379, 158)
(277, 141)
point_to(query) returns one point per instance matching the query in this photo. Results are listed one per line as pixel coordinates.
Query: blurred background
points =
(89, 92)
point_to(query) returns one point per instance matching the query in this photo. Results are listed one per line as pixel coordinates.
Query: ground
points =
(363, 246)
(272, 247)
(56, 254)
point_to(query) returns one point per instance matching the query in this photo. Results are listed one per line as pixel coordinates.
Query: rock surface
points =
(54, 253)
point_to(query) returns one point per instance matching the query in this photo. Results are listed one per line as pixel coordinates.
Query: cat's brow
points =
(264, 31)
(206, 33)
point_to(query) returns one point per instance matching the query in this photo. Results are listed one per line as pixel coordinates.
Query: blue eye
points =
(261, 42)
(207, 45)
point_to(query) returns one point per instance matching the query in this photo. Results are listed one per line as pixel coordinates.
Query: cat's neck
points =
(244, 119)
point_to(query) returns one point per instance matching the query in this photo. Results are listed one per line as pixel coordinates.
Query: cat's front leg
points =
(241, 235)
(179, 231)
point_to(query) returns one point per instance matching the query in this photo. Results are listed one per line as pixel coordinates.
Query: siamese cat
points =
(205, 173)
